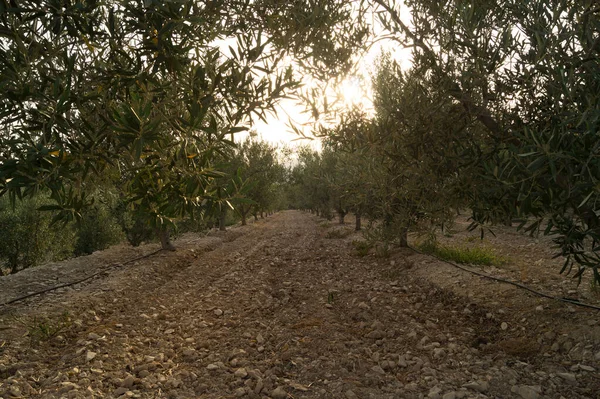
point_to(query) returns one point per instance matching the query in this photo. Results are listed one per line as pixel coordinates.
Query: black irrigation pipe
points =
(21, 298)
(519, 285)
(88, 277)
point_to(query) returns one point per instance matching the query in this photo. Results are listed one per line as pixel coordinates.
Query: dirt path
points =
(275, 310)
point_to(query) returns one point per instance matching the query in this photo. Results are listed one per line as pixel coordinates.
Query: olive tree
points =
(152, 88)
(527, 73)
(262, 171)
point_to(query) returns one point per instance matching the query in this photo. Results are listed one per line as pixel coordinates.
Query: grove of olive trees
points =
(498, 112)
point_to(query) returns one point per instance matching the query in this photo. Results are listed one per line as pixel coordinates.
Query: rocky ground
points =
(277, 310)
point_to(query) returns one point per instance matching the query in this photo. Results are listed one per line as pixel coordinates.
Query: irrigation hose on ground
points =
(88, 277)
(77, 281)
(519, 285)
(501, 280)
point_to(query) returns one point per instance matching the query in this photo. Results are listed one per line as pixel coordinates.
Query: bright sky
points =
(353, 90)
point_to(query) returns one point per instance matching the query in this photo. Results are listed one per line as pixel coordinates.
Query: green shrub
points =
(231, 219)
(362, 247)
(44, 328)
(97, 230)
(133, 223)
(477, 255)
(28, 238)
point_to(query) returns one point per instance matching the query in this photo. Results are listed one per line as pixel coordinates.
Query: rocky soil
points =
(277, 310)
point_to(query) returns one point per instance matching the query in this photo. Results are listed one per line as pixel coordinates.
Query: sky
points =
(353, 90)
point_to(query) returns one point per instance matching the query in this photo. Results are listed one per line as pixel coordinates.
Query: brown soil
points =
(277, 310)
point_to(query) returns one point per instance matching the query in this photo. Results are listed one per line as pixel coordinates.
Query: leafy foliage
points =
(526, 73)
(97, 230)
(44, 328)
(28, 236)
(152, 89)
(263, 175)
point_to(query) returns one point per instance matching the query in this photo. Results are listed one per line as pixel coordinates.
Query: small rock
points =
(259, 386)
(504, 326)
(388, 365)
(89, 356)
(567, 376)
(434, 393)
(189, 352)
(260, 349)
(449, 395)
(260, 339)
(378, 370)
(128, 382)
(586, 368)
(479, 386)
(439, 353)
(402, 362)
(527, 391)
(377, 334)
(279, 393)
(212, 366)
(218, 312)
(240, 392)
(241, 373)
(350, 395)
(377, 325)
(539, 308)
(93, 336)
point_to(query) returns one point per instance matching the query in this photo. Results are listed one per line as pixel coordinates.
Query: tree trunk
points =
(222, 220)
(358, 222)
(243, 219)
(13, 261)
(262, 215)
(165, 240)
(255, 217)
(342, 216)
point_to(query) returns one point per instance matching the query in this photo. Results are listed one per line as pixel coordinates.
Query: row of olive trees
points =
(251, 182)
(29, 237)
(498, 113)
(152, 92)
(522, 79)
